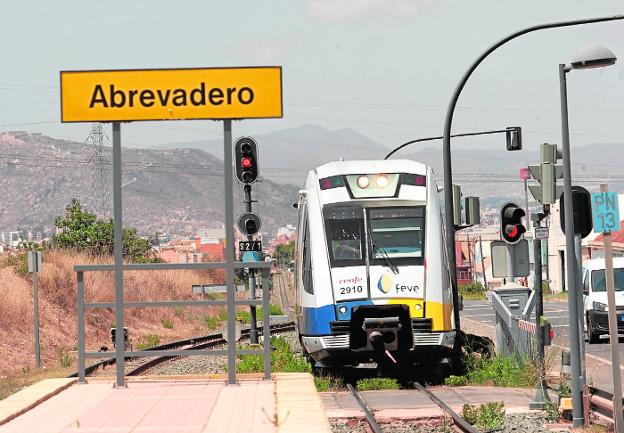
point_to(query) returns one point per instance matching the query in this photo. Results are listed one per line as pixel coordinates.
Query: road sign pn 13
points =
(171, 94)
(605, 211)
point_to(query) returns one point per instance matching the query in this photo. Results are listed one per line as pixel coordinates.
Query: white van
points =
(595, 297)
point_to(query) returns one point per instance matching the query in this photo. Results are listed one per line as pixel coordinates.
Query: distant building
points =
(14, 239)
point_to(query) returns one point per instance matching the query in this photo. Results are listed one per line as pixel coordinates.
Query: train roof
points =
(334, 168)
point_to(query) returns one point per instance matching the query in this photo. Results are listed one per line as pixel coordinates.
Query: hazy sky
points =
(385, 68)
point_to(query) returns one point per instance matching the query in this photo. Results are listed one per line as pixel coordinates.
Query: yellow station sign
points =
(171, 94)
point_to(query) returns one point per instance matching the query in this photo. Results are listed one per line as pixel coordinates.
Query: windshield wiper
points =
(384, 255)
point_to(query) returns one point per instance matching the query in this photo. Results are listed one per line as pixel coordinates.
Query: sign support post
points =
(602, 212)
(34, 260)
(229, 249)
(118, 252)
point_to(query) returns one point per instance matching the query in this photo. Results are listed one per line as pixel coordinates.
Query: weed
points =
(552, 411)
(487, 416)
(167, 324)
(503, 371)
(178, 311)
(245, 315)
(456, 380)
(282, 359)
(375, 383)
(150, 340)
(64, 359)
(211, 322)
(19, 262)
(327, 383)
(473, 291)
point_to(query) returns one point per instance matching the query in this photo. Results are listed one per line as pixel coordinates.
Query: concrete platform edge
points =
(41, 391)
(299, 406)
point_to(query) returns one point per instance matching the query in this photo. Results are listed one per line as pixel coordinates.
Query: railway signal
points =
(246, 157)
(514, 138)
(546, 173)
(511, 227)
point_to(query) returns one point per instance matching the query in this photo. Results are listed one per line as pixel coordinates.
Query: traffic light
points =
(512, 228)
(246, 154)
(547, 173)
(249, 223)
(581, 211)
(514, 138)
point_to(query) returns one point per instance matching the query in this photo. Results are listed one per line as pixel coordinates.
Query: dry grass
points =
(57, 289)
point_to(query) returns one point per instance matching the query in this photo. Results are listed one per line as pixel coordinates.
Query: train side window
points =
(308, 284)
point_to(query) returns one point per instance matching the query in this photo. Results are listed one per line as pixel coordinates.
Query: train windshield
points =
(397, 233)
(344, 228)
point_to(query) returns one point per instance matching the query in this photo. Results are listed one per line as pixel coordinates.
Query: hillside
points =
(176, 190)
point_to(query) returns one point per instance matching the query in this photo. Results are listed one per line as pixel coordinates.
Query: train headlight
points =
(342, 309)
(363, 181)
(382, 181)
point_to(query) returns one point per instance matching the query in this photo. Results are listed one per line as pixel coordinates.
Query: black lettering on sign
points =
(98, 97)
(147, 98)
(114, 94)
(198, 96)
(201, 93)
(216, 96)
(250, 96)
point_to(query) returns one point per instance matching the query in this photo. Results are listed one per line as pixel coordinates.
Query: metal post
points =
(541, 396)
(266, 325)
(618, 417)
(118, 251)
(81, 329)
(229, 251)
(482, 264)
(36, 311)
(511, 264)
(253, 328)
(578, 272)
(573, 291)
(526, 205)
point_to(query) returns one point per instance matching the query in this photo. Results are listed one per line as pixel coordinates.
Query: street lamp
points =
(592, 56)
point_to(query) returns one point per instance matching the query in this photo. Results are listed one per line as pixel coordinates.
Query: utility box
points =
(509, 304)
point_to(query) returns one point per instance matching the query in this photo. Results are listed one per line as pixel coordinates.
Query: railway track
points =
(195, 343)
(460, 423)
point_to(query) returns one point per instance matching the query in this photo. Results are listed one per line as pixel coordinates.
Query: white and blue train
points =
(371, 275)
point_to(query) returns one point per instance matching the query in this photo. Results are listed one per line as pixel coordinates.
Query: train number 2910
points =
(351, 289)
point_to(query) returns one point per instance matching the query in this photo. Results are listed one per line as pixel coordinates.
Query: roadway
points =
(598, 356)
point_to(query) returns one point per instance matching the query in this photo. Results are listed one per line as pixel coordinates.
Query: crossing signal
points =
(249, 223)
(512, 228)
(246, 154)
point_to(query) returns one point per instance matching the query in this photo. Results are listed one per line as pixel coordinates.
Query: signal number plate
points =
(250, 246)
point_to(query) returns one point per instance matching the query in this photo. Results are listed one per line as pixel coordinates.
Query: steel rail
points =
(370, 417)
(460, 422)
(179, 343)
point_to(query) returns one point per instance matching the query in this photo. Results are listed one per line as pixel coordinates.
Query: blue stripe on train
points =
(350, 304)
(315, 321)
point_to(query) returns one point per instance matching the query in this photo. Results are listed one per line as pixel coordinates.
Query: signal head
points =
(246, 159)
(511, 226)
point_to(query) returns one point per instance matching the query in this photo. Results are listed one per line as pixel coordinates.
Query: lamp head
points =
(593, 56)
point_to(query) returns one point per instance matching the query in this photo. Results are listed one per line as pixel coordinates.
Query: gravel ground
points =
(514, 423)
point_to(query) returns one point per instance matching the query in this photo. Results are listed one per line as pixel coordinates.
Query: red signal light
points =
(512, 231)
(246, 162)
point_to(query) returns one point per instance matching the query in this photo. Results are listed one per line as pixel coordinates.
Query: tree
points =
(82, 230)
(285, 253)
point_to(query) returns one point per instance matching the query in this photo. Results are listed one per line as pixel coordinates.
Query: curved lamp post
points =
(446, 154)
(592, 56)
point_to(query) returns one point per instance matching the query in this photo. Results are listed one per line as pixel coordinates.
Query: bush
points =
(327, 383)
(456, 381)
(65, 359)
(150, 340)
(283, 359)
(488, 416)
(503, 371)
(472, 291)
(167, 324)
(375, 383)
(19, 263)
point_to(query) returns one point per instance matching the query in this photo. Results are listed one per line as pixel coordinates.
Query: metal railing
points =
(230, 303)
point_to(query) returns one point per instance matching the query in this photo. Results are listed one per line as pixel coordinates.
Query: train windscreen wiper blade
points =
(384, 255)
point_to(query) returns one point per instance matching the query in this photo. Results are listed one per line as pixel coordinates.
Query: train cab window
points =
(344, 228)
(306, 274)
(397, 233)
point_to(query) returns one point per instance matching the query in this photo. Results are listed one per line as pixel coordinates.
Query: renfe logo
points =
(352, 280)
